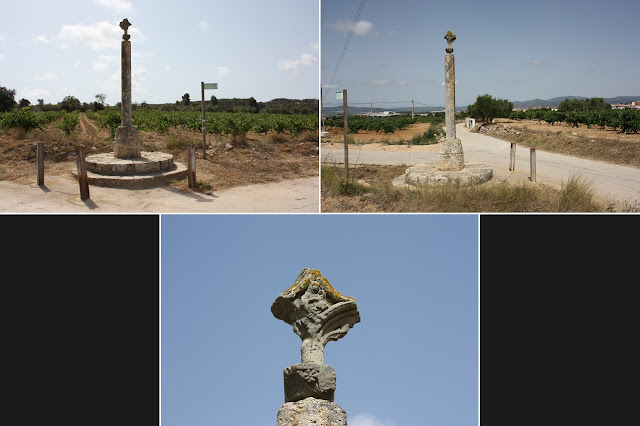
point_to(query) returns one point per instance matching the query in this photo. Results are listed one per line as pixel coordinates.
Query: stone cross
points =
(127, 142)
(451, 156)
(318, 314)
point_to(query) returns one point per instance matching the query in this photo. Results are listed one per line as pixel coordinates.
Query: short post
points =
(346, 131)
(82, 173)
(512, 157)
(532, 161)
(204, 129)
(191, 165)
(40, 163)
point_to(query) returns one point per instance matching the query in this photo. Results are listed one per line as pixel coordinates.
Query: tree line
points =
(249, 105)
(589, 112)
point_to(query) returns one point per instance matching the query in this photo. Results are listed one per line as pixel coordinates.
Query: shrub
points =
(24, 119)
(69, 122)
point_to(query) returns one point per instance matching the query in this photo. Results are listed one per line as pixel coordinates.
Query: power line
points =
(344, 50)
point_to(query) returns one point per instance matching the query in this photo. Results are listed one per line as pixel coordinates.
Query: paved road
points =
(61, 195)
(611, 183)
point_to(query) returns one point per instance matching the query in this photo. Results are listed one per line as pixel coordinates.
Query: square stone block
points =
(309, 380)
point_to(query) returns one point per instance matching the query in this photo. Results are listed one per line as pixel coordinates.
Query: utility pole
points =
(411, 108)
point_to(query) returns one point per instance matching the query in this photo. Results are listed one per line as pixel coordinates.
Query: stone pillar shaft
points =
(126, 83)
(450, 95)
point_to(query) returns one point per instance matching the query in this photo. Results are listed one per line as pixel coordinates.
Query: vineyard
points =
(386, 125)
(625, 120)
(221, 123)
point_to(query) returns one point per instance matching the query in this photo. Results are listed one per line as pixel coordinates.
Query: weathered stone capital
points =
(309, 379)
(317, 312)
(450, 37)
(311, 411)
(125, 24)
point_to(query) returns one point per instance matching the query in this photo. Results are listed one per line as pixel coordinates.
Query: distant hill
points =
(554, 102)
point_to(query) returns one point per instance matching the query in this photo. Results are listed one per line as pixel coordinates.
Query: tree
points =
(486, 108)
(214, 100)
(23, 103)
(253, 104)
(185, 100)
(101, 98)
(7, 98)
(40, 102)
(70, 103)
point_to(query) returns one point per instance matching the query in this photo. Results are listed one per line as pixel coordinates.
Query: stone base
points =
(127, 142)
(430, 174)
(450, 155)
(309, 380)
(311, 411)
(147, 170)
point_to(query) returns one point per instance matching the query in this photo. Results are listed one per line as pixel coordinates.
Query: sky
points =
(49, 50)
(510, 50)
(412, 360)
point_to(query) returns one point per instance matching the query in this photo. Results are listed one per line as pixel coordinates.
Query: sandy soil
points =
(583, 131)
(370, 141)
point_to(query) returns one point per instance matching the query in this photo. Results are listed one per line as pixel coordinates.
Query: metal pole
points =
(204, 130)
(346, 146)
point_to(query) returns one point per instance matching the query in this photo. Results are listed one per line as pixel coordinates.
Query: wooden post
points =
(40, 163)
(346, 141)
(512, 157)
(191, 165)
(82, 173)
(532, 160)
(204, 130)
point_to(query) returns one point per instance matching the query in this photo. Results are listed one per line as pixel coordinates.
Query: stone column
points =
(318, 314)
(127, 142)
(451, 156)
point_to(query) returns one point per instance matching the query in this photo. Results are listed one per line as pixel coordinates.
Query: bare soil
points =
(230, 162)
(593, 143)
(367, 137)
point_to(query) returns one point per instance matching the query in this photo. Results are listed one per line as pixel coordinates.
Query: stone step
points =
(178, 171)
(148, 162)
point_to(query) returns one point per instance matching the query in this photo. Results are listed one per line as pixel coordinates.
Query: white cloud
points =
(33, 92)
(369, 420)
(1, 56)
(116, 5)
(362, 28)
(140, 72)
(223, 70)
(315, 46)
(3, 38)
(46, 76)
(330, 86)
(102, 35)
(103, 61)
(203, 26)
(41, 39)
(305, 59)
(379, 83)
(402, 83)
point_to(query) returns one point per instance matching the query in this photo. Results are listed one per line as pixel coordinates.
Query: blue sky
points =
(412, 360)
(267, 50)
(513, 50)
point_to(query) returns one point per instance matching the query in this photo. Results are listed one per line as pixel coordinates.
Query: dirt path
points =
(88, 128)
(61, 194)
(612, 183)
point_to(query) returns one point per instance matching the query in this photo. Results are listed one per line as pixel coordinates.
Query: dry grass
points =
(594, 144)
(369, 189)
(230, 161)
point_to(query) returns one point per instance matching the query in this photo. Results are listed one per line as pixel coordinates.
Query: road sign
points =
(210, 85)
(338, 95)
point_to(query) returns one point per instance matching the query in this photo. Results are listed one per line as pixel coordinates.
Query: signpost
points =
(204, 86)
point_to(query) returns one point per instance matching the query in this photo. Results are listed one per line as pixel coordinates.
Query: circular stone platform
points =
(428, 174)
(151, 168)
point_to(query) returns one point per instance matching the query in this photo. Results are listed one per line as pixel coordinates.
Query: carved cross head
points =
(317, 312)
(125, 24)
(450, 37)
